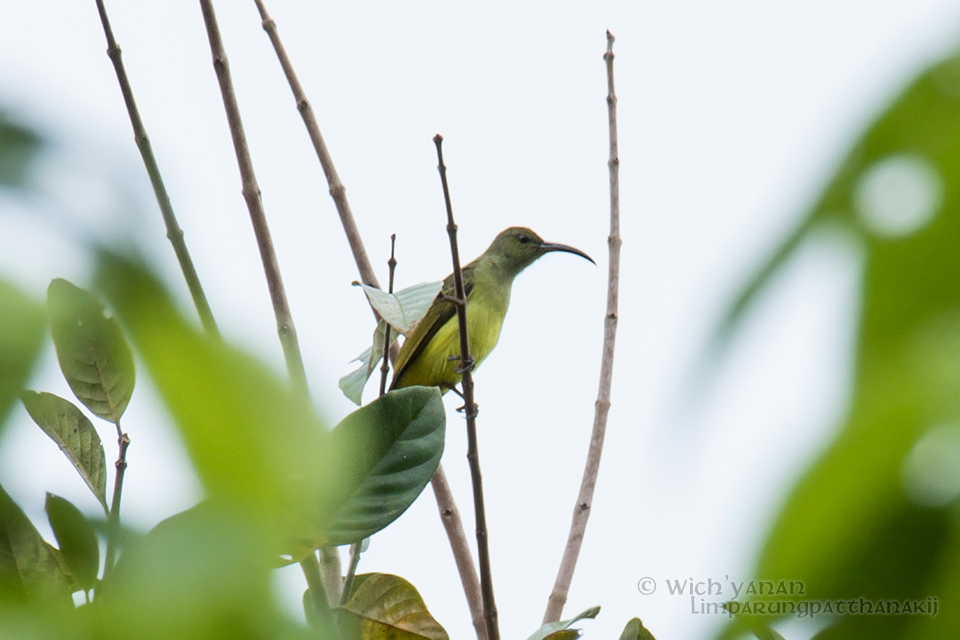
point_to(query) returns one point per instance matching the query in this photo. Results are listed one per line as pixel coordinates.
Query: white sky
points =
(731, 114)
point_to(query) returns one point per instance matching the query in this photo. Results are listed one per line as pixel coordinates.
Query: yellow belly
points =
(434, 366)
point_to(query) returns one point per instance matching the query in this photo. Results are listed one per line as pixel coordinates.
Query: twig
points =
(385, 367)
(330, 570)
(470, 411)
(174, 232)
(251, 193)
(450, 516)
(581, 512)
(113, 529)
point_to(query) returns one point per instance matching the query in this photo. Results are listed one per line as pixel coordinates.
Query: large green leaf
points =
(552, 628)
(94, 355)
(29, 568)
(77, 540)
(387, 452)
(386, 607)
(253, 441)
(74, 434)
(21, 336)
(875, 515)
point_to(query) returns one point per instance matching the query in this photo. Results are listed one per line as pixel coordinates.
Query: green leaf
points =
(21, 337)
(18, 148)
(253, 441)
(78, 542)
(565, 634)
(552, 627)
(94, 355)
(74, 434)
(29, 568)
(403, 309)
(383, 607)
(387, 452)
(636, 631)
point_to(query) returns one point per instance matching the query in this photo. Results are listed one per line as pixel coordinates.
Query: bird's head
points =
(517, 248)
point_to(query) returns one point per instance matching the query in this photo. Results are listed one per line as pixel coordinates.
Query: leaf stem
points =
(113, 521)
(351, 572)
(326, 624)
(174, 232)
(581, 512)
(470, 410)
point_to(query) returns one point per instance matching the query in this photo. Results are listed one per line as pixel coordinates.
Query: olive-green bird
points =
(429, 356)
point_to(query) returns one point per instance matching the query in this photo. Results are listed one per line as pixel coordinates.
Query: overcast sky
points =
(732, 115)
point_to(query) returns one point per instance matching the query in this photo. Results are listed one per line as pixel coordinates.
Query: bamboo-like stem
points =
(581, 512)
(251, 193)
(450, 515)
(113, 520)
(469, 410)
(174, 232)
(385, 367)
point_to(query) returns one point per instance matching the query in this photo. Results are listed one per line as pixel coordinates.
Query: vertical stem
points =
(385, 367)
(581, 512)
(174, 232)
(326, 624)
(251, 193)
(113, 529)
(355, 549)
(470, 411)
(450, 516)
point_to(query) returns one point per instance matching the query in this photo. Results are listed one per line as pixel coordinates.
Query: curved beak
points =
(547, 247)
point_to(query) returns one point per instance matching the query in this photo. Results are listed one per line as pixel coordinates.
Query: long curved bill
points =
(556, 246)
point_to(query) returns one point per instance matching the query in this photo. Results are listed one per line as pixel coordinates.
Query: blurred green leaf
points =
(21, 337)
(201, 574)
(636, 631)
(18, 147)
(77, 540)
(387, 453)
(74, 434)
(565, 634)
(552, 627)
(29, 569)
(385, 607)
(875, 515)
(94, 355)
(254, 442)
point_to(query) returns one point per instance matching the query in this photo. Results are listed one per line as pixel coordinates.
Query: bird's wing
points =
(441, 311)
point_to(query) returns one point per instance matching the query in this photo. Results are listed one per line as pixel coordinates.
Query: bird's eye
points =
(523, 238)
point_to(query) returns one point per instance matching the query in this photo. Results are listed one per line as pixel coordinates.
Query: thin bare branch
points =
(337, 190)
(174, 232)
(581, 512)
(251, 193)
(450, 516)
(470, 411)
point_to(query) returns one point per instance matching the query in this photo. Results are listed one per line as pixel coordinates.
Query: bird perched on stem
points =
(430, 356)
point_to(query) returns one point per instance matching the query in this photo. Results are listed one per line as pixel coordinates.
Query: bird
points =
(430, 356)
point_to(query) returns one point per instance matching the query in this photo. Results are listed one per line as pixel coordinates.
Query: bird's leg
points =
(453, 388)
